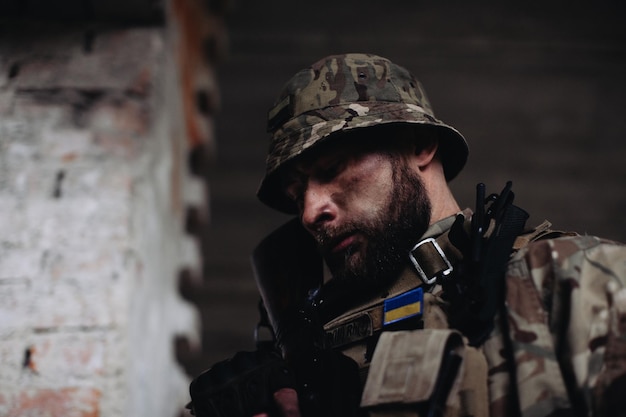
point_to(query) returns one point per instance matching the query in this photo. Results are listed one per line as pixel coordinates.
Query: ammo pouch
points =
(419, 373)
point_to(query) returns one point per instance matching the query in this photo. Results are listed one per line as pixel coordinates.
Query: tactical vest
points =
(405, 368)
(418, 353)
(411, 362)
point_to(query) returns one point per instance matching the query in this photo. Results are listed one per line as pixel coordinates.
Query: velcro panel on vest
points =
(408, 368)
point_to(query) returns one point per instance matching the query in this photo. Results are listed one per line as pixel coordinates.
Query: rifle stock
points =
(288, 271)
(286, 267)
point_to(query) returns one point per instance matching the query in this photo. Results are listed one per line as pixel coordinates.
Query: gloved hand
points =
(286, 402)
(244, 386)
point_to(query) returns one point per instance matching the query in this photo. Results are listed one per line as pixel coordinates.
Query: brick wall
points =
(95, 191)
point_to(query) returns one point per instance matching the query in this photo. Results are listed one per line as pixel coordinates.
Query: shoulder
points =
(565, 300)
(575, 273)
(570, 256)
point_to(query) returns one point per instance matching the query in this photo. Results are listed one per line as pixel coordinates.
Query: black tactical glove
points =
(328, 384)
(241, 386)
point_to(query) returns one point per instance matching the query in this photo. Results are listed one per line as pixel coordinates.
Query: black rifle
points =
(288, 270)
(476, 289)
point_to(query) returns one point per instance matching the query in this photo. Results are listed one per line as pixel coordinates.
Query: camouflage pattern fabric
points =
(566, 320)
(341, 93)
(565, 328)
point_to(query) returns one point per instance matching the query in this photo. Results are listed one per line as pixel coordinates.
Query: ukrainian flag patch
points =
(403, 306)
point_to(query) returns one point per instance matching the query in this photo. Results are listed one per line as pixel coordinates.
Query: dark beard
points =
(389, 236)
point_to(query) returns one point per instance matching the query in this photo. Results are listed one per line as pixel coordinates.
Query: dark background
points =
(538, 91)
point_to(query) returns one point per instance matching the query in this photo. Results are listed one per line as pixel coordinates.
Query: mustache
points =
(328, 238)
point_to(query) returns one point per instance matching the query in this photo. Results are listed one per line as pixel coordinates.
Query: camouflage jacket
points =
(565, 331)
(558, 346)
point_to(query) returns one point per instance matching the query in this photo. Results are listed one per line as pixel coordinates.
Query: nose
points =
(319, 207)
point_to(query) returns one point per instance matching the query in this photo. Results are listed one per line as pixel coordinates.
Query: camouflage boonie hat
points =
(344, 92)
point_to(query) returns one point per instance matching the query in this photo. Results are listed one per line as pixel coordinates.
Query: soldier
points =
(385, 298)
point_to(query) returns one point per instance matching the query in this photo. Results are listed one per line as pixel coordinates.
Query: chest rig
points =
(464, 255)
(410, 302)
(288, 270)
(452, 280)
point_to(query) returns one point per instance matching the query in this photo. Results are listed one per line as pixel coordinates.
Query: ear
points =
(425, 149)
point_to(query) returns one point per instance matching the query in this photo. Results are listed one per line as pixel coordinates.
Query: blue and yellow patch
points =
(403, 306)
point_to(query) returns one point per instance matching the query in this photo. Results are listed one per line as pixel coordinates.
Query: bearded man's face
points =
(364, 209)
(386, 237)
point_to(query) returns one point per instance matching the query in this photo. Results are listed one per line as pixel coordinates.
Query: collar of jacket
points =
(432, 256)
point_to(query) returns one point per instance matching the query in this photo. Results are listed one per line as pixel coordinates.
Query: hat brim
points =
(301, 133)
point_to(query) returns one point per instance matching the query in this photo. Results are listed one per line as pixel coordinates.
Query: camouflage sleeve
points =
(565, 330)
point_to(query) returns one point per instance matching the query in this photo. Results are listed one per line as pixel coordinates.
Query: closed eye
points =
(324, 170)
(328, 171)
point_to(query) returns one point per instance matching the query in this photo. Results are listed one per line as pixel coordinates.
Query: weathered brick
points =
(6, 99)
(128, 117)
(18, 263)
(60, 205)
(69, 290)
(76, 355)
(16, 131)
(118, 60)
(71, 222)
(66, 402)
(56, 358)
(65, 144)
(95, 268)
(80, 309)
(111, 128)
(16, 301)
(92, 178)
(42, 110)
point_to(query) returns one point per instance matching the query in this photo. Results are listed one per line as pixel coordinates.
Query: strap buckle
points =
(447, 266)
